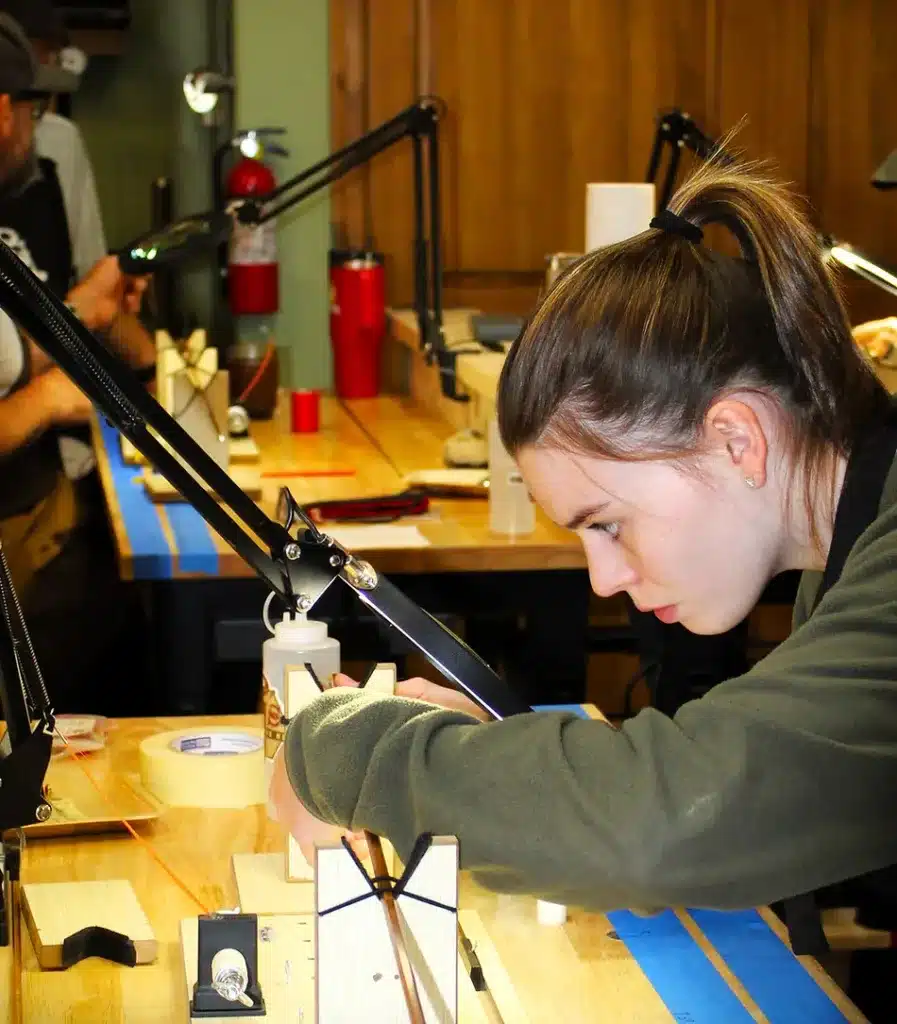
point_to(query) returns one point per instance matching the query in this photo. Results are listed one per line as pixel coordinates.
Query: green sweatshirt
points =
(777, 782)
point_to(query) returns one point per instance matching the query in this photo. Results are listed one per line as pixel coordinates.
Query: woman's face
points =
(693, 545)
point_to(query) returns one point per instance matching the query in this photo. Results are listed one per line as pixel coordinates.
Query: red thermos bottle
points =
(252, 270)
(357, 321)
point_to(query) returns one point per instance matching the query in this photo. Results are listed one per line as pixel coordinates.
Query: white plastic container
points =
(511, 510)
(295, 642)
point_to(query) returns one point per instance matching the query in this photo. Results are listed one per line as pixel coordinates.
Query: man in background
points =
(59, 143)
(58, 550)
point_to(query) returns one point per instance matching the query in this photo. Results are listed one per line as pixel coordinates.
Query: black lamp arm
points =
(298, 566)
(420, 123)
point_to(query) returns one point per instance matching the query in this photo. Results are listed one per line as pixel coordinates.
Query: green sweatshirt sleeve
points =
(776, 782)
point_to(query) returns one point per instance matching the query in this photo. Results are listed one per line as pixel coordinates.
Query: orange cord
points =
(257, 376)
(150, 849)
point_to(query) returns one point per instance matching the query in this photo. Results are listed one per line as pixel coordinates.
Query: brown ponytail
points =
(634, 342)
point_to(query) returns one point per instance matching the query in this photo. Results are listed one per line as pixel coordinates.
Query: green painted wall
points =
(137, 126)
(282, 71)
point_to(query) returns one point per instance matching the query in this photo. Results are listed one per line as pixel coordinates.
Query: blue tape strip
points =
(196, 549)
(150, 553)
(680, 971)
(772, 975)
(577, 709)
(689, 984)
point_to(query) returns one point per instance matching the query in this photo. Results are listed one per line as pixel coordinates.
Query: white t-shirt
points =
(61, 141)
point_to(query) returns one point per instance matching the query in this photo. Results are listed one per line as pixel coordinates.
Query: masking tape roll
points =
(205, 767)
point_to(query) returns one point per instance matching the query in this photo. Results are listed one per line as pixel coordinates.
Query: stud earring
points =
(750, 481)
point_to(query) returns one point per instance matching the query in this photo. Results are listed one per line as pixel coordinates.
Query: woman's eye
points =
(611, 529)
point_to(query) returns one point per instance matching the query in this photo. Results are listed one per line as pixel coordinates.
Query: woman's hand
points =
(305, 828)
(432, 693)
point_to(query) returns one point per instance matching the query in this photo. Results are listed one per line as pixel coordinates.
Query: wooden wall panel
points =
(543, 98)
(854, 126)
(763, 81)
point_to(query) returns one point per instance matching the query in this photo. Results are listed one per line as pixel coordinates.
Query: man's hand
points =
(305, 828)
(106, 294)
(65, 402)
(432, 693)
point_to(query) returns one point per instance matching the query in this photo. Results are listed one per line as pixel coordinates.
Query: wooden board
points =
(287, 974)
(80, 808)
(285, 968)
(55, 910)
(243, 450)
(160, 490)
(263, 886)
(354, 957)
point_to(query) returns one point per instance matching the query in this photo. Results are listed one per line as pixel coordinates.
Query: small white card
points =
(368, 536)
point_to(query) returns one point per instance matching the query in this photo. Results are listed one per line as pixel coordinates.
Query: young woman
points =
(704, 422)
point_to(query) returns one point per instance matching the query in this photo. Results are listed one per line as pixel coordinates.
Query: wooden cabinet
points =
(544, 97)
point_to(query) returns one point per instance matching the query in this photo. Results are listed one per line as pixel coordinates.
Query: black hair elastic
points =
(673, 224)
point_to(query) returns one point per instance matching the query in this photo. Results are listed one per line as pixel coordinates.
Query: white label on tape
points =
(216, 743)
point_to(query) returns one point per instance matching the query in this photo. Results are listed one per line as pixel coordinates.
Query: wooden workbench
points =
(380, 439)
(578, 972)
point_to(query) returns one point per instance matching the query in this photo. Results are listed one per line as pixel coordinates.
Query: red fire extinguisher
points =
(252, 270)
(357, 321)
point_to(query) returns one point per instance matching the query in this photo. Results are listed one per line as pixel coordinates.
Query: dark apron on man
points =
(37, 504)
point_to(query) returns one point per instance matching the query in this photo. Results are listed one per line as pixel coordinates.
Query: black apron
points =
(858, 507)
(34, 224)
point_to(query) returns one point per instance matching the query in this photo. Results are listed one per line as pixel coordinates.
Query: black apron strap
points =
(867, 471)
(864, 481)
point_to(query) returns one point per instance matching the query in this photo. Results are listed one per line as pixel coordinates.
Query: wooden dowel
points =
(394, 926)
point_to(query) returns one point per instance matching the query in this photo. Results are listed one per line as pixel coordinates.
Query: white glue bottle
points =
(295, 642)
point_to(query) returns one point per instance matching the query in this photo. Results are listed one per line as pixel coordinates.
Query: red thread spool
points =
(305, 407)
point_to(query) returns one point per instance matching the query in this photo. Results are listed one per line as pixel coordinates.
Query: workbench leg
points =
(183, 653)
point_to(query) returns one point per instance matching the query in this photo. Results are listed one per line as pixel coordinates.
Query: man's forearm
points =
(23, 415)
(128, 338)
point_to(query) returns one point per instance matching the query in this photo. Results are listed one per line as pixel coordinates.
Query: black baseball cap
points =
(21, 73)
(39, 19)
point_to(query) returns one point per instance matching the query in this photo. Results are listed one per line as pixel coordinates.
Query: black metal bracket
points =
(217, 932)
(299, 566)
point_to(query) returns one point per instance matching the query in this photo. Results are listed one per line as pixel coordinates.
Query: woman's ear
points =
(733, 426)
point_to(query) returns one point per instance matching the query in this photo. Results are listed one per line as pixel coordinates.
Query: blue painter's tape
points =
(577, 709)
(196, 549)
(688, 983)
(772, 975)
(681, 972)
(150, 553)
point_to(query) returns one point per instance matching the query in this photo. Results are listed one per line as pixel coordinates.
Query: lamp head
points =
(885, 176)
(176, 243)
(202, 88)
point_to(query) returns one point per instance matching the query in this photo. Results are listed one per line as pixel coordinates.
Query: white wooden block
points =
(382, 679)
(264, 888)
(56, 910)
(301, 689)
(285, 969)
(357, 977)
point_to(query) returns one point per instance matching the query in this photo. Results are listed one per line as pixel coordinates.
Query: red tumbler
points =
(305, 411)
(357, 321)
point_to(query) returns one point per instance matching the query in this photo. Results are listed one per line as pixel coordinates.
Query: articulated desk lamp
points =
(678, 131)
(295, 559)
(290, 554)
(202, 233)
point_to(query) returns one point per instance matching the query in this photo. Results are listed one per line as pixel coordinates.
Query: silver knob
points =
(230, 976)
